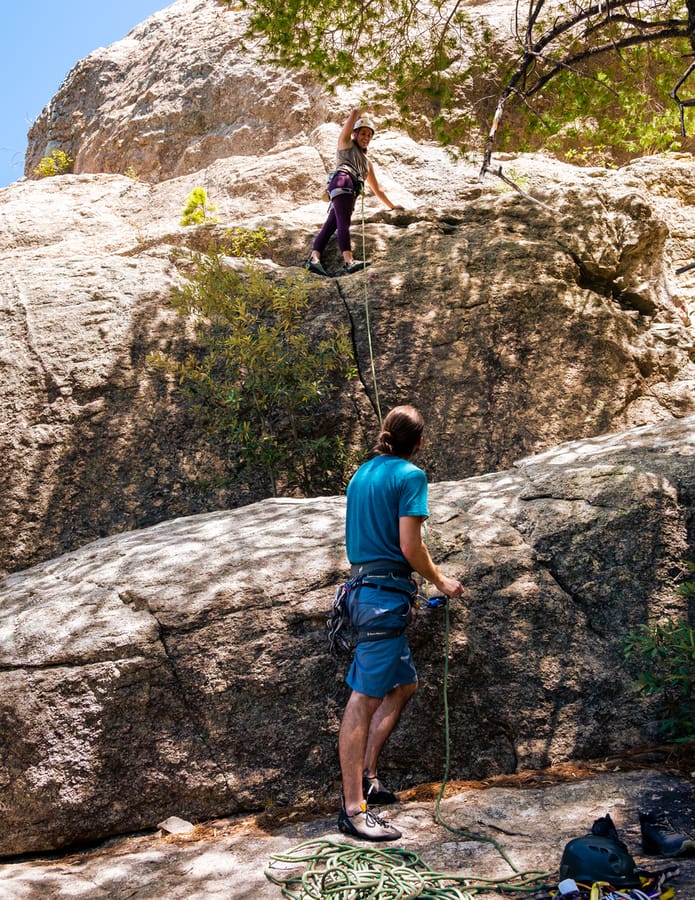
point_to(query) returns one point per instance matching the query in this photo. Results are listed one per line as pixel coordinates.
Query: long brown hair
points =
(401, 431)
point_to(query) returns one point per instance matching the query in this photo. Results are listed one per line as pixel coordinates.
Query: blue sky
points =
(39, 43)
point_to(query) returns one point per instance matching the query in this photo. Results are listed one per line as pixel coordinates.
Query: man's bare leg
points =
(384, 720)
(352, 746)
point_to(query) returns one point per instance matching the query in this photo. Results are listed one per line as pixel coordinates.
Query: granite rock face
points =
(517, 321)
(176, 665)
(515, 326)
(183, 669)
(177, 93)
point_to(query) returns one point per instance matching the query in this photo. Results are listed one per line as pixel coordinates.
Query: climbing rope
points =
(346, 872)
(337, 871)
(534, 878)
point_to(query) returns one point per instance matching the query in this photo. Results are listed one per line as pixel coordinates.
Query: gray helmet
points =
(594, 858)
(364, 122)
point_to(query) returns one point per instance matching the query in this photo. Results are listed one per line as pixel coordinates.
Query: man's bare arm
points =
(418, 556)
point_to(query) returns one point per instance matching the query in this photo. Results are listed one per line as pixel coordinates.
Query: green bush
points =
(244, 242)
(666, 649)
(197, 208)
(263, 372)
(58, 163)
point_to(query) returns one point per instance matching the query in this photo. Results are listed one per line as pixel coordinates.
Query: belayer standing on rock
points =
(386, 505)
(345, 185)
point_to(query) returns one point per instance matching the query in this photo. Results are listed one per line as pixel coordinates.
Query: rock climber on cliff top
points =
(345, 185)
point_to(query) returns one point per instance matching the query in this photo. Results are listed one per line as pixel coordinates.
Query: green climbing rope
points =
(327, 870)
(535, 877)
(347, 872)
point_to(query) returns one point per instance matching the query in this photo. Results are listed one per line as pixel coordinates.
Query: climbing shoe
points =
(660, 838)
(367, 825)
(375, 793)
(316, 268)
(356, 266)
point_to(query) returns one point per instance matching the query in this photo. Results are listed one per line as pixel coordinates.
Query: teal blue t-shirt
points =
(379, 493)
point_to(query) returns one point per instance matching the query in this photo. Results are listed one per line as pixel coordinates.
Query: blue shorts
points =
(380, 666)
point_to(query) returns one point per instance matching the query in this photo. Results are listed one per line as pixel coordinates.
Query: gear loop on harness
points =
(343, 637)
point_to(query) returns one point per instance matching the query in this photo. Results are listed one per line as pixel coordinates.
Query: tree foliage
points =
(457, 74)
(261, 376)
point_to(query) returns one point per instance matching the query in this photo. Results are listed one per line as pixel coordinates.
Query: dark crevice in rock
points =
(608, 285)
(355, 349)
(568, 591)
(205, 619)
(50, 385)
(49, 667)
(201, 728)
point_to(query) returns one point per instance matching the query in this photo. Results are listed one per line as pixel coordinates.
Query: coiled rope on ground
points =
(338, 871)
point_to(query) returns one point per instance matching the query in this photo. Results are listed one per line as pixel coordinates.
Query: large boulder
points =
(515, 325)
(516, 320)
(183, 669)
(178, 92)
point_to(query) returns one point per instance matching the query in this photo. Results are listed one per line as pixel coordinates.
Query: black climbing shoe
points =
(355, 266)
(367, 825)
(375, 793)
(660, 838)
(316, 268)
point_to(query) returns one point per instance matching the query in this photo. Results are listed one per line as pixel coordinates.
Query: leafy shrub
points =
(58, 163)
(196, 209)
(261, 374)
(666, 649)
(244, 242)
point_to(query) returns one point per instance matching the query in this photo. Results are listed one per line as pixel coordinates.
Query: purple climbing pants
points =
(339, 216)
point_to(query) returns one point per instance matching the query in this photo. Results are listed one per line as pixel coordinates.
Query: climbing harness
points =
(339, 631)
(652, 887)
(331, 190)
(342, 636)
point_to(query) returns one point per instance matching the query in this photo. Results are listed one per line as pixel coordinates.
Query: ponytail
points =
(401, 432)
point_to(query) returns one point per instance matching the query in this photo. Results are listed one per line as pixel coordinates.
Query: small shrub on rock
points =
(58, 163)
(264, 371)
(197, 209)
